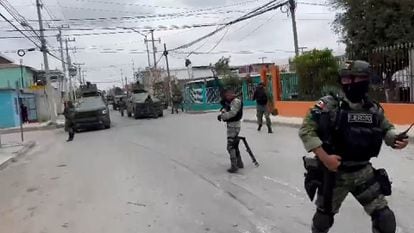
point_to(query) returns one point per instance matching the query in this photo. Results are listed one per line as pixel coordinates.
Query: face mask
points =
(356, 92)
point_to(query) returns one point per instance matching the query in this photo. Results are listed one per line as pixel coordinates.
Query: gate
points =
(393, 78)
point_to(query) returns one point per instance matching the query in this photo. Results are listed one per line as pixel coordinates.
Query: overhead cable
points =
(260, 10)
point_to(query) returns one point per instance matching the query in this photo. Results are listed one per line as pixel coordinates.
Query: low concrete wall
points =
(400, 114)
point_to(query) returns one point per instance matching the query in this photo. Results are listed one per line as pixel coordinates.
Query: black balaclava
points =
(356, 92)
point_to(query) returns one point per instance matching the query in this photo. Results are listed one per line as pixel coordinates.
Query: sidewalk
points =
(10, 152)
(60, 122)
(249, 116)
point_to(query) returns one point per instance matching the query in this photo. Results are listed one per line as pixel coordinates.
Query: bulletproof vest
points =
(358, 135)
(261, 96)
(239, 114)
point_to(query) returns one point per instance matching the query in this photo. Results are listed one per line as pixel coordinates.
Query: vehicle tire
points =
(161, 113)
(136, 116)
(107, 126)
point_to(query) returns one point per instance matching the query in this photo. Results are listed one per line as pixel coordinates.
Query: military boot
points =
(233, 168)
(269, 130)
(259, 128)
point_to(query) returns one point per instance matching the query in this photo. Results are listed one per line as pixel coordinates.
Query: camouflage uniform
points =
(360, 183)
(122, 106)
(69, 113)
(233, 130)
(260, 111)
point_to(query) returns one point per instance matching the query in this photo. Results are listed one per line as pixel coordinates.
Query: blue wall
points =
(9, 116)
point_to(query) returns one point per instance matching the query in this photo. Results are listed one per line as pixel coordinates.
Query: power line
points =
(313, 4)
(219, 41)
(258, 27)
(21, 32)
(144, 29)
(258, 11)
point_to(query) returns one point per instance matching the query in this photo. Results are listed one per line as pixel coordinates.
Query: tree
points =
(223, 69)
(318, 73)
(368, 24)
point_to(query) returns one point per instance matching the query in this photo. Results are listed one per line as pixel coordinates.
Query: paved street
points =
(169, 175)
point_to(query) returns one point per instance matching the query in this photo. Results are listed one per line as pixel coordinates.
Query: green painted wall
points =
(9, 76)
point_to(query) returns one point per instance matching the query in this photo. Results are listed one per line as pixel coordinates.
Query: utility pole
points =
(148, 53)
(83, 76)
(65, 84)
(122, 78)
(49, 90)
(154, 51)
(126, 84)
(168, 71)
(262, 58)
(302, 49)
(72, 70)
(292, 7)
(79, 71)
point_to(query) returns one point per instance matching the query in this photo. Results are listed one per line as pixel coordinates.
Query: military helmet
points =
(355, 68)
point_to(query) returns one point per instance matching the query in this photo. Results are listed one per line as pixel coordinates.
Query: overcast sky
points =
(269, 35)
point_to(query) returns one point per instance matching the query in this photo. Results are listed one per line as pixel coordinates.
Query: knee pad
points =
(322, 222)
(383, 221)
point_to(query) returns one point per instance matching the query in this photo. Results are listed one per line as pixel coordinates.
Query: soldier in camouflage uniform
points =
(69, 113)
(232, 113)
(344, 133)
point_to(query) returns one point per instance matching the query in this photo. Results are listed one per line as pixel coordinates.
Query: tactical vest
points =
(239, 114)
(358, 135)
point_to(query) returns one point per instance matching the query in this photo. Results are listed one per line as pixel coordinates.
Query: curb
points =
(16, 155)
(17, 130)
(293, 125)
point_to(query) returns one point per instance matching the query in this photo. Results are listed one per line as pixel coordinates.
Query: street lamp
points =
(145, 41)
(21, 53)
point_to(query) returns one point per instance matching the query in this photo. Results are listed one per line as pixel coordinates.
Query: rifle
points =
(249, 151)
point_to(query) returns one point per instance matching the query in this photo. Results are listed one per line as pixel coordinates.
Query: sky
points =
(108, 57)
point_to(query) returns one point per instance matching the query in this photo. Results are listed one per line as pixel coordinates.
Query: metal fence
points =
(393, 78)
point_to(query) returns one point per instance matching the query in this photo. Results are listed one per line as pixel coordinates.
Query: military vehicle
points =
(91, 109)
(117, 98)
(141, 104)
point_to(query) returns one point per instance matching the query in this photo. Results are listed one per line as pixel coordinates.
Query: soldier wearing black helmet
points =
(344, 133)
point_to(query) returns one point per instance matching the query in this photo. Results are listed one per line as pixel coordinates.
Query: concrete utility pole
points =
(65, 79)
(148, 53)
(154, 50)
(168, 71)
(145, 41)
(49, 90)
(83, 76)
(79, 71)
(70, 68)
(292, 7)
(122, 78)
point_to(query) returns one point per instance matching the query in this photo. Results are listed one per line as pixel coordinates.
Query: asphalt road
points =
(169, 175)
